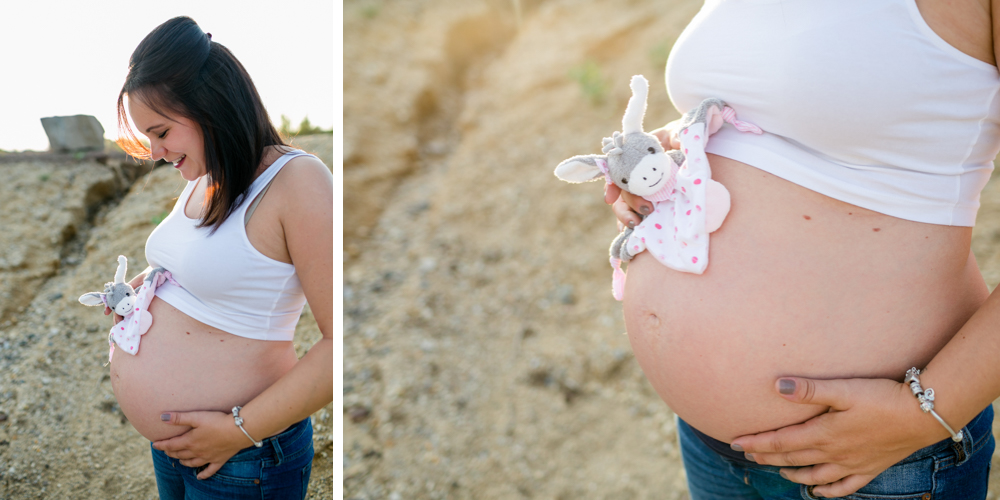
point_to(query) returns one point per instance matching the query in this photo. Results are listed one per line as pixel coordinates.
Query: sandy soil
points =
(65, 222)
(483, 353)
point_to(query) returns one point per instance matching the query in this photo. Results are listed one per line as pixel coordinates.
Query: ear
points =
(581, 168)
(92, 299)
(713, 119)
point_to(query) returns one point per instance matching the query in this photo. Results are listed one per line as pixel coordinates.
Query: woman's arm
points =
(306, 196)
(874, 423)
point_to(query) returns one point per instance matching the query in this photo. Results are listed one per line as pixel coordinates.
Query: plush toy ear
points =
(581, 168)
(92, 299)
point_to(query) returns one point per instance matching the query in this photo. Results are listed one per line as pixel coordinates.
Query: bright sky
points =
(71, 57)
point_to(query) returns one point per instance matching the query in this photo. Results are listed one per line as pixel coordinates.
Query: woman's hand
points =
(212, 440)
(871, 425)
(117, 318)
(628, 206)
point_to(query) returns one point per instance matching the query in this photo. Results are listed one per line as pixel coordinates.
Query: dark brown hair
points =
(178, 69)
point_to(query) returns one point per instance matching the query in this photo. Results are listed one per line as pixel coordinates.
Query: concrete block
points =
(74, 133)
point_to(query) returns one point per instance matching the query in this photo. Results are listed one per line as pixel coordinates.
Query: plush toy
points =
(687, 203)
(131, 305)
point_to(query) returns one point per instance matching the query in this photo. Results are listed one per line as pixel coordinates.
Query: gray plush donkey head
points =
(633, 160)
(118, 295)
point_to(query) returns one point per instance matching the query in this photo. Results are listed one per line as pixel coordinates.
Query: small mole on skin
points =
(806, 217)
(221, 340)
(876, 229)
(782, 345)
(850, 213)
(189, 333)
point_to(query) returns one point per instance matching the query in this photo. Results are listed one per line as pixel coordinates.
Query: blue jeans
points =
(280, 469)
(942, 471)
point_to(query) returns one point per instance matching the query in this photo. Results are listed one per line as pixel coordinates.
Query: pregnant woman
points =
(846, 254)
(248, 243)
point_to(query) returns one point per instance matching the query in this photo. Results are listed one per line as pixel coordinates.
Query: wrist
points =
(924, 409)
(240, 424)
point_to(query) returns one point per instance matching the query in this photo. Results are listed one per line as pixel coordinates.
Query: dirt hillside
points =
(65, 222)
(483, 353)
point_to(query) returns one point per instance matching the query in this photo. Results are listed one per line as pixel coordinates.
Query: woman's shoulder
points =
(304, 180)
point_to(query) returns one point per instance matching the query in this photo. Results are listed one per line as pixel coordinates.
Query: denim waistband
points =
(280, 447)
(976, 432)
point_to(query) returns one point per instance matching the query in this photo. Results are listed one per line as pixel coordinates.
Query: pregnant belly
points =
(798, 284)
(186, 365)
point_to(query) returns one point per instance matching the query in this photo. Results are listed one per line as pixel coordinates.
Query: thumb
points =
(611, 192)
(179, 418)
(210, 470)
(832, 393)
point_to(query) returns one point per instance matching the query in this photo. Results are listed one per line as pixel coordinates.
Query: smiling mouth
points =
(657, 181)
(177, 163)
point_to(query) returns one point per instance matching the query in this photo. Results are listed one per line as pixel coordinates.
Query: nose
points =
(156, 150)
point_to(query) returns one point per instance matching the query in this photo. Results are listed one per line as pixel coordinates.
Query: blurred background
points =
(484, 356)
(67, 214)
(69, 58)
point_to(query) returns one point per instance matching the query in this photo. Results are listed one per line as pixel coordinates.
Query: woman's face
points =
(174, 138)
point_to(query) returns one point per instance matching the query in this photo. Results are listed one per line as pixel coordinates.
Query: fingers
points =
(625, 214)
(194, 462)
(832, 393)
(210, 471)
(799, 458)
(181, 454)
(611, 192)
(628, 207)
(667, 135)
(822, 474)
(637, 203)
(844, 487)
(806, 436)
(107, 310)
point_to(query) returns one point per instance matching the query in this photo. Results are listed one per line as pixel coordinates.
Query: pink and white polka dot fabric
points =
(675, 232)
(127, 332)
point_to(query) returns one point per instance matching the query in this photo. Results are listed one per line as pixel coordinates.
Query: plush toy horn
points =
(632, 121)
(122, 269)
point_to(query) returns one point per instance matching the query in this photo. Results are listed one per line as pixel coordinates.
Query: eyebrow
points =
(150, 129)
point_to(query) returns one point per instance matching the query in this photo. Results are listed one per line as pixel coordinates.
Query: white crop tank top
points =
(859, 100)
(224, 281)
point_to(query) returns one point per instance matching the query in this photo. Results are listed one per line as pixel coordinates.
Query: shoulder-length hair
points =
(178, 69)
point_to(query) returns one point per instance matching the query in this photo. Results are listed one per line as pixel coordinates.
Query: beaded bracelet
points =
(239, 423)
(926, 398)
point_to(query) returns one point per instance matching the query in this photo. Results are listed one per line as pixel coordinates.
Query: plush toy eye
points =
(652, 150)
(624, 181)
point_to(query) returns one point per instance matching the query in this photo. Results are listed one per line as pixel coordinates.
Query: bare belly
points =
(185, 365)
(798, 284)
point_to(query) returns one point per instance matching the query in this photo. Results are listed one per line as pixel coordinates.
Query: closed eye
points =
(164, 134)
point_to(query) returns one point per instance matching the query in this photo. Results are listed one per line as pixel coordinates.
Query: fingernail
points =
(786, 386)
(644, 210)
(631, 223)
(783, 474)
(165, 417)
(736, 447)
(749, 457)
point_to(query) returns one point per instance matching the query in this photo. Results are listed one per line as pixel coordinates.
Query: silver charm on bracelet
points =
(239, 423)
(926, 398)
